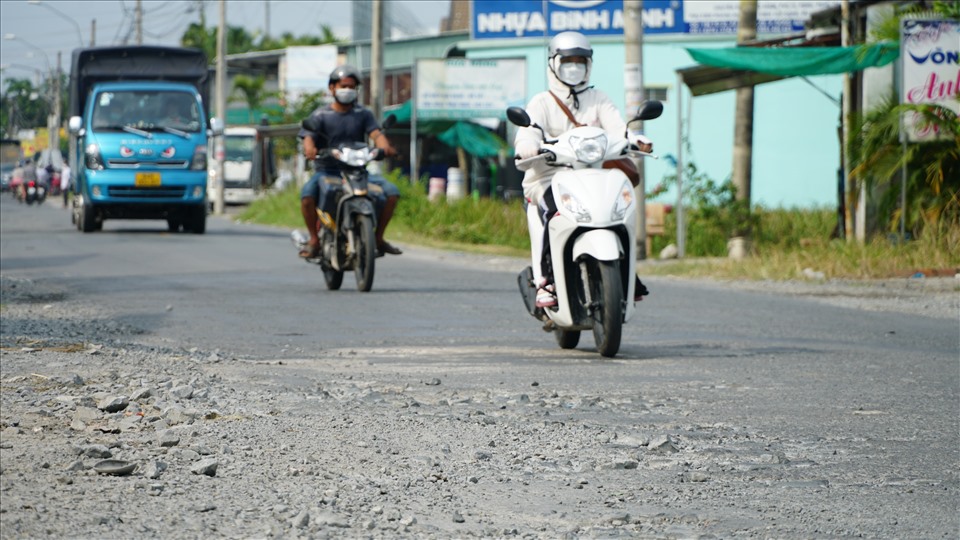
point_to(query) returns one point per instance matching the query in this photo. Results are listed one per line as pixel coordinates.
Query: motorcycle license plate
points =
(147, 179)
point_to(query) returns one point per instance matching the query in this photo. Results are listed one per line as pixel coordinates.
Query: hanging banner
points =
(537, 18)
(462, 88)
(930, 52)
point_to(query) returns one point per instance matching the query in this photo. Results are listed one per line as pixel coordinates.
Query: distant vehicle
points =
(10, 155)
(241, 183)
(139, 117)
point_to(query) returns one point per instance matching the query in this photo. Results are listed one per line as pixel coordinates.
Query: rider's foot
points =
(639, 290)
(311, 250)
(546, 295)
(387, 247)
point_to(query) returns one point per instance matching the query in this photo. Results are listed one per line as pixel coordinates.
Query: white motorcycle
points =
(592, 237)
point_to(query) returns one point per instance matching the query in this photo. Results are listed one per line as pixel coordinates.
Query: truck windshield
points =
(239, 148)
(147, 111)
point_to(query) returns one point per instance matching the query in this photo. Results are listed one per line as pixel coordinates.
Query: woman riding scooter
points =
(569, 63)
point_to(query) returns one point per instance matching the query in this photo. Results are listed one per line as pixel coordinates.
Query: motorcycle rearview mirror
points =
(518, 116)
(649, 110)
(389, 121)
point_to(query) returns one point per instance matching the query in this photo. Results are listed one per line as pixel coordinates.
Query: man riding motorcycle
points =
(344, 120)
(569, 63)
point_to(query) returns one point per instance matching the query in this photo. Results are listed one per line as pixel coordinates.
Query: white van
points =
(240, 184)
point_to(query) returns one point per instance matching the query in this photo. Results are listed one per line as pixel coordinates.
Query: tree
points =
(877, 156)
(250, 90)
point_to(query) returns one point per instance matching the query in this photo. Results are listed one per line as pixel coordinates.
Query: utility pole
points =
(633, 86)
(93, 32)
(376, 60)
(266, 24)
(138, 18)
(221, 102)
(743, 132)
(55, 132)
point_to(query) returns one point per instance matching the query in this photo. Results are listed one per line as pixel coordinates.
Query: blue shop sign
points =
(498, 19)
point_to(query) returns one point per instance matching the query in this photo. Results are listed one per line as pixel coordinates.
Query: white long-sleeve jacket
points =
(592, 108)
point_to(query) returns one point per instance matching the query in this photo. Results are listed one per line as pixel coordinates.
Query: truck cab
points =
(141, 133)
(240, 181)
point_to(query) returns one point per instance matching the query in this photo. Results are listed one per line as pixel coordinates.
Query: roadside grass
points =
(788, 243)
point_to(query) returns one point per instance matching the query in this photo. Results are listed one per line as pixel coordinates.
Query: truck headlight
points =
(93, 158)
(199, 161)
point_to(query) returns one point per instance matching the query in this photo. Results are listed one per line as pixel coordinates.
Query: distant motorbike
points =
(347, 240)
(592, 236)
(34, 192)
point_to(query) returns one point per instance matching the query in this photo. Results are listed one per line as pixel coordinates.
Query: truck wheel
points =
(87, 220)
(198, 222)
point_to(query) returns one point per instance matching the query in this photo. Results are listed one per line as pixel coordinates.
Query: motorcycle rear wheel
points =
(366, 252)
(607, 292)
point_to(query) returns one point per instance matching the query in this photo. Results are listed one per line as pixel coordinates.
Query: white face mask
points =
(572, 73)
(345, 95)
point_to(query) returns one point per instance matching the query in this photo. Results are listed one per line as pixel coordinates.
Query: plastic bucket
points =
(454, 183)
(437, 188)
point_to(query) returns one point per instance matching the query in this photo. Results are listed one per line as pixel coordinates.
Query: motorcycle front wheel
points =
(607, 293)
(366, 249)
(567, 339)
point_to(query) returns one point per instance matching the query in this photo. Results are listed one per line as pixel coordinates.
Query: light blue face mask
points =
(572, 73)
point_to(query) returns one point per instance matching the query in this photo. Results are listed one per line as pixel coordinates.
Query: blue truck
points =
(140, 130)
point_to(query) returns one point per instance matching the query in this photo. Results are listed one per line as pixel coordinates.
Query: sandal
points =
(310, 252)
(387, 247)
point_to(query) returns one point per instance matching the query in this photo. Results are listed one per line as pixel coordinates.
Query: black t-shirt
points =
(336, 128)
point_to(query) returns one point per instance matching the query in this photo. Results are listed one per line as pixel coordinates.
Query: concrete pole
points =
(138, 18)
(93, 32)
(376, 60)
(848, 187)
(221, 102)
(55, 132)
(633, 87)
(743, 132)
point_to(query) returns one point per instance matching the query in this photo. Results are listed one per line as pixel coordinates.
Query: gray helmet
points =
(344, 71)
(567, 44)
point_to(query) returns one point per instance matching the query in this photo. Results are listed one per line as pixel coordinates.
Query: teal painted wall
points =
(796, 152)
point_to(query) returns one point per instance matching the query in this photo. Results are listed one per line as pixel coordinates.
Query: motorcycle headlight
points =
(355, 157)
(572, 205)
(624, 202)
(589, 150)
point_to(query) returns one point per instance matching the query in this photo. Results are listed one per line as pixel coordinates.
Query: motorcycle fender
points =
(352, 207)
(601, 244)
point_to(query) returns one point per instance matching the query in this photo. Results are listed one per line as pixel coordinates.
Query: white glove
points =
(526, 149)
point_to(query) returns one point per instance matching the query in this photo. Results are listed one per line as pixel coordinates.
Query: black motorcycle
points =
(347, 240)
(34, 192)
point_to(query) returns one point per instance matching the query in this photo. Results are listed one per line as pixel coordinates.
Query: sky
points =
(33, 33)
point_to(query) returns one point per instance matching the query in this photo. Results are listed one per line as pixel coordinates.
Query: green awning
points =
(474, 139)
(798, 61)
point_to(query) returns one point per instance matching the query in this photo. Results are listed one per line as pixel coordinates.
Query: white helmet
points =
(565, 45)
(570, 44)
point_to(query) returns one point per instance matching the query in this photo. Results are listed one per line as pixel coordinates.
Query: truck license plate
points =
(147, 179)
